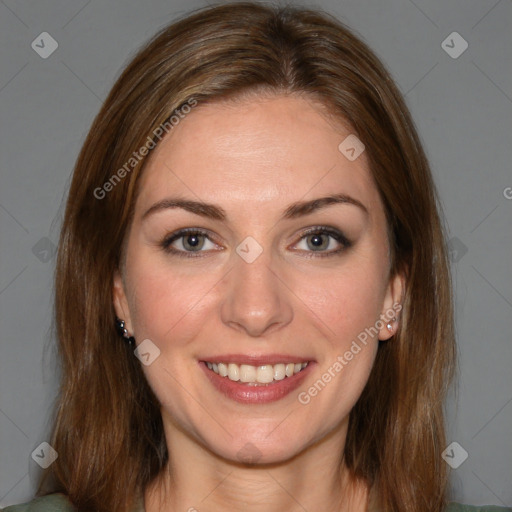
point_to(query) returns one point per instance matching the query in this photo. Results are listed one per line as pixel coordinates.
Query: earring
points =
(390, 325)
(123, 332)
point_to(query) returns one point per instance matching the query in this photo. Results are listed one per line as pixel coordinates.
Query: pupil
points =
(317, 241)
(193, 241)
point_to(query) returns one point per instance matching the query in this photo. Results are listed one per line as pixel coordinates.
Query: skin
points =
(253, 158)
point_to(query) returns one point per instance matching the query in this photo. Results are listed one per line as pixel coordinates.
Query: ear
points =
(392, 305)
(120, 301)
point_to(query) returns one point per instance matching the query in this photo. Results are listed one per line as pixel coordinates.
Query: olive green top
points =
(59, 503)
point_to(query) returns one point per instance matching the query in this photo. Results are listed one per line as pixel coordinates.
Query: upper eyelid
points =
(176, 235)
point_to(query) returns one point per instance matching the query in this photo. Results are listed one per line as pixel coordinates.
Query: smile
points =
(256, 375)
(257, 383)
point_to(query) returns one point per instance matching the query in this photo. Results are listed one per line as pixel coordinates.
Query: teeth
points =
(247, 373)
(222, 370)
(253, 375)
(279, 371)
(233, 372)
(265, 374)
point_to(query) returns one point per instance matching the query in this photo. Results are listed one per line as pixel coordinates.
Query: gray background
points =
(462, 107)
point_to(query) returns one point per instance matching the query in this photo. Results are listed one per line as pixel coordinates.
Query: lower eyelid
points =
(331, 252)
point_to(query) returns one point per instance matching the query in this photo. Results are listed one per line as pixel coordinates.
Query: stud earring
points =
(123, 332)
(390, 325)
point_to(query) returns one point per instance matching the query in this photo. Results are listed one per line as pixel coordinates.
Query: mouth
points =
(259, 382)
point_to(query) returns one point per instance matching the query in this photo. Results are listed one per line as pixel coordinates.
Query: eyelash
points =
(317, 230)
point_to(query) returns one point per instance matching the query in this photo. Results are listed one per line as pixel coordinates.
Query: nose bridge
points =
(255, 298)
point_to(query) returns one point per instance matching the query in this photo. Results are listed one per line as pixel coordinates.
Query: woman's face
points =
(268, 276)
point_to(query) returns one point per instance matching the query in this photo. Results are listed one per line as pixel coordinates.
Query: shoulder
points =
(459, 507)
(56, 502)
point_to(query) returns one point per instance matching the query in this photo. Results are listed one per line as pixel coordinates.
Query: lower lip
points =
(242, 393)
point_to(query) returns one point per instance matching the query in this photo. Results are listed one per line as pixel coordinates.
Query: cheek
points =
(168, 306)
(346, 301)
(170, 309)
(346, 312)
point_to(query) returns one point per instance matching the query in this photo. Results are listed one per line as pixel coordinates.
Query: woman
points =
(253, 299)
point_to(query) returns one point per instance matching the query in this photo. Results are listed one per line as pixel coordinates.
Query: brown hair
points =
(108, 430)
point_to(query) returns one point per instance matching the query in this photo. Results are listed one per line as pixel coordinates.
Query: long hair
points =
(107, 428)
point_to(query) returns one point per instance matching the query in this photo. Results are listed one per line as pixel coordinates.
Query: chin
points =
(260, 448)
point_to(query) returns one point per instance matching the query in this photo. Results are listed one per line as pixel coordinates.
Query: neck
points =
(196, 479)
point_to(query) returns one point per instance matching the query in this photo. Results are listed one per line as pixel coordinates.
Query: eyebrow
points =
(215, 212)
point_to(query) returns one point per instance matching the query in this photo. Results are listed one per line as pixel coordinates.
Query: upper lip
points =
(257, 360)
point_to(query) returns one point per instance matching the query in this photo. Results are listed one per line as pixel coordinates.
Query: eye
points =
(324, 241)
(185, 242)
(191, 242)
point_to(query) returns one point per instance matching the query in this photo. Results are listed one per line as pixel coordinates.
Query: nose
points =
(256, 300)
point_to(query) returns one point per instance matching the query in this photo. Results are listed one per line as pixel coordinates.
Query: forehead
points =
(255, 152)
